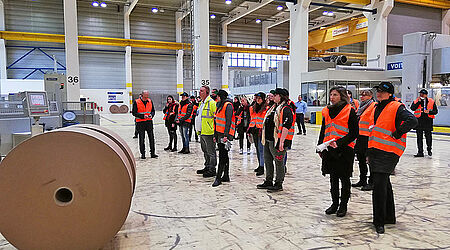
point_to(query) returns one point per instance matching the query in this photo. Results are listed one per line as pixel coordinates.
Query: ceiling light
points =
(103, 4)
(325, 13)
(213, 16)
(258, 20)
(228, 1)
(95, 4)
(155, 10)
(330, 13)
(280, 8)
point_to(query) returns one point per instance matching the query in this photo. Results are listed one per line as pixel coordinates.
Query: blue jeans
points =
(259, 150)
(184, 131)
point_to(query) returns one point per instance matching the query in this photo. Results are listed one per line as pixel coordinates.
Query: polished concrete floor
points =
(174, 208)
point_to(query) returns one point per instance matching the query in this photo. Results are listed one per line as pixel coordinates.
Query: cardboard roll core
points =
(66, 189)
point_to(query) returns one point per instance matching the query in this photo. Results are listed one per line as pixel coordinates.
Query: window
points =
(254, 60)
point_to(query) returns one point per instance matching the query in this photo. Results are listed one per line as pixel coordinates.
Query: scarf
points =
(276, 119)
(363, 106)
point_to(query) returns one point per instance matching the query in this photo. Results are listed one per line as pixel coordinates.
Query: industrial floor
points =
(174, 208)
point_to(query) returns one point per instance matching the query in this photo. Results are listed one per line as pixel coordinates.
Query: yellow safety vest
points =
(207, 115)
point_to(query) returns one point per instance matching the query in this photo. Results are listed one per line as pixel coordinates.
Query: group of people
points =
(372, 129)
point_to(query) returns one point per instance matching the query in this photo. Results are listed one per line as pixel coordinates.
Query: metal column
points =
(72, 59)
(265, 45)
(298, 45)
(377, 33)
(201, 44)
(446, 22)
(180, 53)
(128, 71)
(3, 62)
(226, 56)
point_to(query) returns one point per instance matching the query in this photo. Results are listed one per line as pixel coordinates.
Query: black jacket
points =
(339, 161)
(381, 161)
(244, 112)
(134, 111)
(425, 122)
(170, 120)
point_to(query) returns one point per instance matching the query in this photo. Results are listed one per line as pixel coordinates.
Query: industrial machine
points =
(35, 106)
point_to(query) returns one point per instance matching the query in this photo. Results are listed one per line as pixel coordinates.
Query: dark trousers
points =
(192, 128)
(362, 144)
(241, 140)
(136, 133)
(382, 200)
(271, 155)
(345, 190)
(172, 138)
(224, 162)
(301, 122)
(209, 151)
(143, 127)
(428, 139)
(259, 147)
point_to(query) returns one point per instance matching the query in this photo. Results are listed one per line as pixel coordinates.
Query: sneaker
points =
(174, 150)
(304, 133)
(359, 184)
(299, 133)
(265, 185)
(241, 151)
(248, 151)
(135, 137)
(419, 155)
(332, 209)
(201, 171)
(168, 149)
(154, 156)
(259, 173)
(379, 229)
(143, 157)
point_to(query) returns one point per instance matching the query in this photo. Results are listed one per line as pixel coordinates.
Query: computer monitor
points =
(36, 103)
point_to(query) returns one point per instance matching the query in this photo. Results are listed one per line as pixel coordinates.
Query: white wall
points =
(101, 97)
(19, 85)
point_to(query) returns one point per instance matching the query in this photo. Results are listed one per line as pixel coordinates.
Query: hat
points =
(192, 97)
(261, 94)
(280, 91)
(423, 91)
(272, 92)
(185, 94)
(222, 94)
(386, 87)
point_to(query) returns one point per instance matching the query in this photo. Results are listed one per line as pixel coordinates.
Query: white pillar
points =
(180, 53)
(265, 44)
(3, 74)
(201, 43)
(377, 33)
(128, 51)
(72, 59)
(446, 22)
(226, 56)
(298, 45)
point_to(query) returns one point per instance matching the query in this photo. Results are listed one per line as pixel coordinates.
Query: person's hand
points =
(145, 116)
(333, 144)
(214, 139)
(150, 116)
(426, 111)
(281, 146)
(225, 139)
(320, 154)
(167, 104)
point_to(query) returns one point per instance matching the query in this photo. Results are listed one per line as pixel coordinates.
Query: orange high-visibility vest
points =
(338, 127)
(257, 119)
(365, 120)
(381, 132)
(356, 102)
(220, 120)
(183, 112)
(170, 111)
(144, 109)
(239, 117)
(291, 131)
(419, 110)
(397, 99)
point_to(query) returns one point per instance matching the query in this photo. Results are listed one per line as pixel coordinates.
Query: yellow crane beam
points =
(439, 4)
(362, 2)
(345, 33)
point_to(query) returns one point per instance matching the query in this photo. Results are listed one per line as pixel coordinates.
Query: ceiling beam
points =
(131, 7)
(238, 12)
(440, 4)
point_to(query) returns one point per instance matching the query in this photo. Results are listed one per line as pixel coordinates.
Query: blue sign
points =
(395, 66)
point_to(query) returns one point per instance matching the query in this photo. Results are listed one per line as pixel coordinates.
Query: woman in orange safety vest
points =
(257, 113)
(170, 114)
(340, 128)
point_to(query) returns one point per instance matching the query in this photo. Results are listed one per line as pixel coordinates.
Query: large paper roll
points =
(67, 189)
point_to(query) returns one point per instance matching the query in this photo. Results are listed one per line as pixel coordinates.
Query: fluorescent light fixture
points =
(330, 13)
(95, 4)
(258, 20)
(103, 5)
(325, 13)
(213, 16)
(280, 8)
(155, 10)
(228, 1)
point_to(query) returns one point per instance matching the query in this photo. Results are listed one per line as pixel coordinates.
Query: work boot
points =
(218, 180)
(419, 155)
(211, 172)
(275, 188)
(182, 150)
(368, 187)
(342, 211)
(143, 157)
(260, 172)
(265, 185)
(201, 171)
(226, 173)
(360, 183)
(186, 151)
